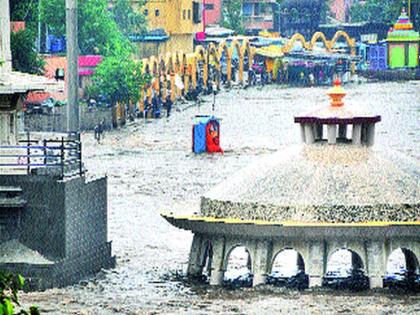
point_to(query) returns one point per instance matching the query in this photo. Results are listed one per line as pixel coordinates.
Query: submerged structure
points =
(335, 191)
(403, 44)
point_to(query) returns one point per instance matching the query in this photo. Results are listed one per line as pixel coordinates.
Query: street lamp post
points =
(72, 67)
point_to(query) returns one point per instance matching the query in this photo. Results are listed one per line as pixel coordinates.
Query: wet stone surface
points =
(151, 169)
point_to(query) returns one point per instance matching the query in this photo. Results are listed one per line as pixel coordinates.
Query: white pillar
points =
(194, 263)
(332, 134)
(309, 134)
(217, 264)
(376, 262)
(316, 264)
(302, 133)
(260, 263)
(370, 134)
(357, 134)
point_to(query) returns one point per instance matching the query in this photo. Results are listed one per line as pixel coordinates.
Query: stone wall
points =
(42, 225)
(57, 120)
(66, 222)
(86, 214)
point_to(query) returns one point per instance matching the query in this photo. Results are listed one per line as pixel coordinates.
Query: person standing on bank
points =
(168, 103)
(99, 129)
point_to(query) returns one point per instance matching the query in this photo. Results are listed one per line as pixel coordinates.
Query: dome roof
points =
(321, 183)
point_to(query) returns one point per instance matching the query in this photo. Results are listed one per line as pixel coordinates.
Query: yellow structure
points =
(180, 19)
(165, 67)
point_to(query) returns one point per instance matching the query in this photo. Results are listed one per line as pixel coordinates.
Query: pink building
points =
(212, 11)
(258, 15)
(341, 9)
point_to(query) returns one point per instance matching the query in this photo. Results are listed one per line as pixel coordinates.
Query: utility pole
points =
(72, 67)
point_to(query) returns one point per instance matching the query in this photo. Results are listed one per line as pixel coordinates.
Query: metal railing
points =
(61, 156)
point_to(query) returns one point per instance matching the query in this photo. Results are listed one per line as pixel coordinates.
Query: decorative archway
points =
(316, 37)
(223, 49)
(213, 63)
(236, 46)
(238, 261)
(351, 42)
(402, 258)
(349, 257)
(295, 38)
(288, 254)
(202, 56)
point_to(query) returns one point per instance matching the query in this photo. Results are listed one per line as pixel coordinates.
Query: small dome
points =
(321, 183)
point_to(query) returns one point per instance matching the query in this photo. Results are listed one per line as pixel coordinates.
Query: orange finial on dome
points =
(336, 94)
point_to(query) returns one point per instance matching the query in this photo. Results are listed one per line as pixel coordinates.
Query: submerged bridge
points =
(335, 191)
(370, 244)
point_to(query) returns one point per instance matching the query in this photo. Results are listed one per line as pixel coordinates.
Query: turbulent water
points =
(151, 169)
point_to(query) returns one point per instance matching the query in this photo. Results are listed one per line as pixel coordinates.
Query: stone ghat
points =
(326, 213)
(321, 183)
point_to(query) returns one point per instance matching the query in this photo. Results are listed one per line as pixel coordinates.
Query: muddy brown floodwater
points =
(151, 169)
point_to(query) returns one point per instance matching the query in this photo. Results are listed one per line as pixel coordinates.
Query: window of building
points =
(146, 12)
(184, 14)
(189, 14)
(247, 8)
(157, 12)
(197, 12)
(209, 6)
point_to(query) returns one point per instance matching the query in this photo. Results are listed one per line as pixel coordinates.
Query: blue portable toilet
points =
(202, 126)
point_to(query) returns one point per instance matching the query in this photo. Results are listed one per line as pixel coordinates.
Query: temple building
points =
(403, 44)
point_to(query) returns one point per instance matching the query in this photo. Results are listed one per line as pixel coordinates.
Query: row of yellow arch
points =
(164, 67)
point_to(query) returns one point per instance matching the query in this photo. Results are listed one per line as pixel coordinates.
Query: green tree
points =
(232, 15)
(9, 286)
(128, 20)
(24, 55)
(25, 10)
(118, 78)
(383, 11)
(98, 31)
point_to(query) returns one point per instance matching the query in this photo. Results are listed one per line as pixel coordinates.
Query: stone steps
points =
(11, 203)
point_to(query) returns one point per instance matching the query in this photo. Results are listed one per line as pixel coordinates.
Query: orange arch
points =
(350, 41)
(233, 45)
(295, 38)
(320, 35)
(223, 48)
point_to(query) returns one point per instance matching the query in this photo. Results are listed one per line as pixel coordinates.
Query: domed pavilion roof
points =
(321, 183)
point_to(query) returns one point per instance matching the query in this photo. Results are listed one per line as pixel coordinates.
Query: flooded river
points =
(151, 169)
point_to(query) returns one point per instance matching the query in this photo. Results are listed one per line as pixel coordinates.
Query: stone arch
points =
(300, 262)
(411, 262)
(356, 257)
(223, 48)
(316, 37)
(295, 38)
(232, 249)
